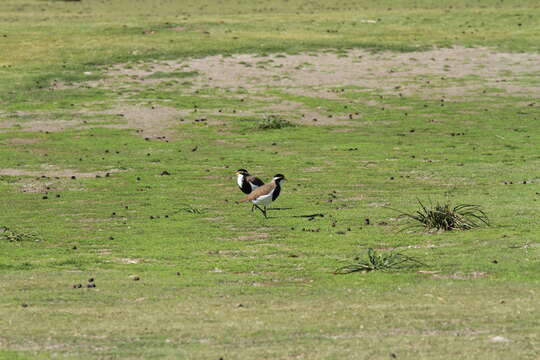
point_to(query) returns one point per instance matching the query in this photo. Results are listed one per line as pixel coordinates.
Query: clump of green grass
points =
(274, 122)
(12, 235)
(192, 210)
(445, 217)
(378, 262)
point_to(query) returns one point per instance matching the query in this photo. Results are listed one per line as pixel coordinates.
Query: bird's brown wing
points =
(255, 180)
(262, 190)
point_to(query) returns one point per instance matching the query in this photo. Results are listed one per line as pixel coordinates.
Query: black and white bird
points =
(246, 182)
(265, 194)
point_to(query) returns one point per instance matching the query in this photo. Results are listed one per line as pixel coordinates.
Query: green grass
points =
(216, 280)
(445, 217)
(379, 262)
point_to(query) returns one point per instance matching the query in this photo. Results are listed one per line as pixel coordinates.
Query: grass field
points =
(122, 124)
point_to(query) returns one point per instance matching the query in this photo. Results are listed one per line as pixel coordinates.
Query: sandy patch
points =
(328, 74)
(154, 121)
(150, 121)
(460, 276)
(23, 141)
(52, 171)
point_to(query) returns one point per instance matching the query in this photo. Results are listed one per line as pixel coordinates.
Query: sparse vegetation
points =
(445, 217)
(379, 261)
(12, 235)
(191, 209)
(274, 122)
(173, 74)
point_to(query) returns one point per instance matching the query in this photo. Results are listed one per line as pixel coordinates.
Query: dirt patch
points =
(327, 73)
(52, 171)
(460, 276)
(252, 237)
(129, 260)
(150, 121)
(23, 141)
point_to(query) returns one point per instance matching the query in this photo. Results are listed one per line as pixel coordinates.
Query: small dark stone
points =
(74, 248)
(178, 273)
(57, 195)
(366, 221)
(136, 278)
(45, 197)
(91, 280)
(24, 305)
(393, 356)
(165, 173)
(495, 262)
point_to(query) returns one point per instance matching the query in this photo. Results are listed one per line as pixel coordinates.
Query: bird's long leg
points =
(253, 207)
(257, 206)
(264, 212)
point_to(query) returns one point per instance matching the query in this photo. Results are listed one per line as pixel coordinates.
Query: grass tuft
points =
(16, 236)
(378, 262)
(444, 217)
(274, 122)
(192, 210)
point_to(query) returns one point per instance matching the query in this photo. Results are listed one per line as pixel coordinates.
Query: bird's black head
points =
(242, 172)
(279, 178)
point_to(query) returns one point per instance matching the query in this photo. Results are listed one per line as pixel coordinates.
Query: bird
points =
(264, 195)
(247, 183)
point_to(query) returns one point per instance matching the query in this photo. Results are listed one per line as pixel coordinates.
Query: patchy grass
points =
(173, 74)
(180, 270)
